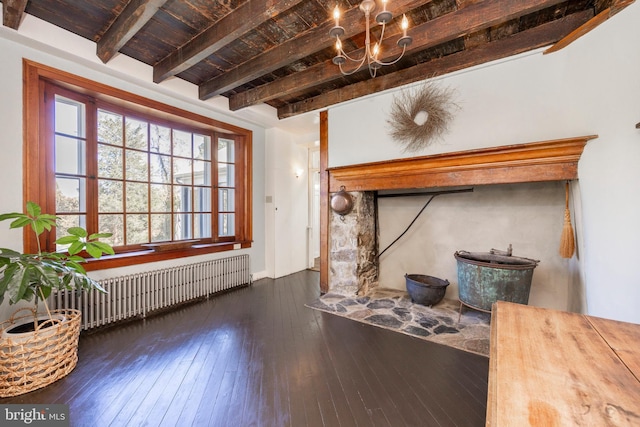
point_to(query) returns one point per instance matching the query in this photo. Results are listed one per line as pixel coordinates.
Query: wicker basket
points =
(33, 360)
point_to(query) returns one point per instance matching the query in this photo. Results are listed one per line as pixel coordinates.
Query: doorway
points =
(313, 229)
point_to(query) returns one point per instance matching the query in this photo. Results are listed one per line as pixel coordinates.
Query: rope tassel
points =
(567, 240)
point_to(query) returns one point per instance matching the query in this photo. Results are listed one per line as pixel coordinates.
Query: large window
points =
(156, 180)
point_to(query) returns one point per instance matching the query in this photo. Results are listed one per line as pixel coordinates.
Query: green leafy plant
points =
(32, 277)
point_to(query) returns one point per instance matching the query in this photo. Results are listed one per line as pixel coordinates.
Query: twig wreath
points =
(420, 116)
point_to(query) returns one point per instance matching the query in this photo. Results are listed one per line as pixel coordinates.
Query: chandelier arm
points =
(365, 58)
(361, 60)
(404, 48)
(382, 33)
(355, 70)
(372, 56)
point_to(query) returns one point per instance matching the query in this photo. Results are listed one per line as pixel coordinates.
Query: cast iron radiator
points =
(138, 294)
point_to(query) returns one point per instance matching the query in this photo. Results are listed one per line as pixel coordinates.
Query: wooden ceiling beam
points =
(614, 7)
(464, 21)
(12, 11)
(524, 41)
(134, 16)
(246, 17)
(294, 49)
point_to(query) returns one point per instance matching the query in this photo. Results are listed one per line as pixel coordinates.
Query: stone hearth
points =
(393, 309)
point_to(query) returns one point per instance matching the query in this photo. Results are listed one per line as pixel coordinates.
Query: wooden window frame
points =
(38, 160)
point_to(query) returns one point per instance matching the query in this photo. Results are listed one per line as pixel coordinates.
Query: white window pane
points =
(182, 143)
(202, 226)
(70, 154)
(182, 199)
(202, 199)
(109, 162)
(182, 171)
(201, 172)
(226, 225)
(109, 128)
(160, 198)
(137, 166)
(137, 229)
(182, 226)
(110, 196)
(226, 175)
(70, 194)
(160, 168)
(226, 150)
(137, 197)
(160, 139)
(202, 147)
(70, 117)
(113, 224)
(136, 134)
(226, 200)
(160, 227)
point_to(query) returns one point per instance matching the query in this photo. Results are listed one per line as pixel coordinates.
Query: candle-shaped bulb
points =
(384, 5)
(404, 25)
(338, 45)
(336, 15)
(376, 49)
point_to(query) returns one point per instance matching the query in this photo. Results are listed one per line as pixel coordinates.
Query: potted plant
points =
(40, 348)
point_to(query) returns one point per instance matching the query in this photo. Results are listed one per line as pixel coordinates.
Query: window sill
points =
(171, 246)
(150, 255)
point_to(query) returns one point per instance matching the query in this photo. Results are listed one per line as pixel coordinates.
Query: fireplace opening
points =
(529, 216)
(518, 198)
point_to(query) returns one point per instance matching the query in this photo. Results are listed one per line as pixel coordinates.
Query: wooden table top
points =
(553, 368)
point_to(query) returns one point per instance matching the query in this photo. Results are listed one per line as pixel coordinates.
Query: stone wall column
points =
(353, 246)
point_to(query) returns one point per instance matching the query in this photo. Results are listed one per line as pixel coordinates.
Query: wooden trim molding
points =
(553, 160)
(38, 161)
(324, 202)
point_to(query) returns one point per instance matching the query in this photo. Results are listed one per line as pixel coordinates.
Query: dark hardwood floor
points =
(257, 356)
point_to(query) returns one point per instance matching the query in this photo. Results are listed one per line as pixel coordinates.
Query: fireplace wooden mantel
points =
(553, 160)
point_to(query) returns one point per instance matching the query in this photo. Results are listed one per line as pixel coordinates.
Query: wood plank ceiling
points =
(279, 52)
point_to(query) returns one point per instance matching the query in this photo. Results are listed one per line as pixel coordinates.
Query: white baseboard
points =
(259, 275)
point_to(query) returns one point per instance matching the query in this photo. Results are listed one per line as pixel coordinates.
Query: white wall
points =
(79, 58)
(286, 203)
(589, 87)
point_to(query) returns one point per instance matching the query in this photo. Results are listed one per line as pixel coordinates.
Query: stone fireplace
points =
(353, 240)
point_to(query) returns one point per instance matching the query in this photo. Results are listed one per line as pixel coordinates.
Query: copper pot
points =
(341, 202)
